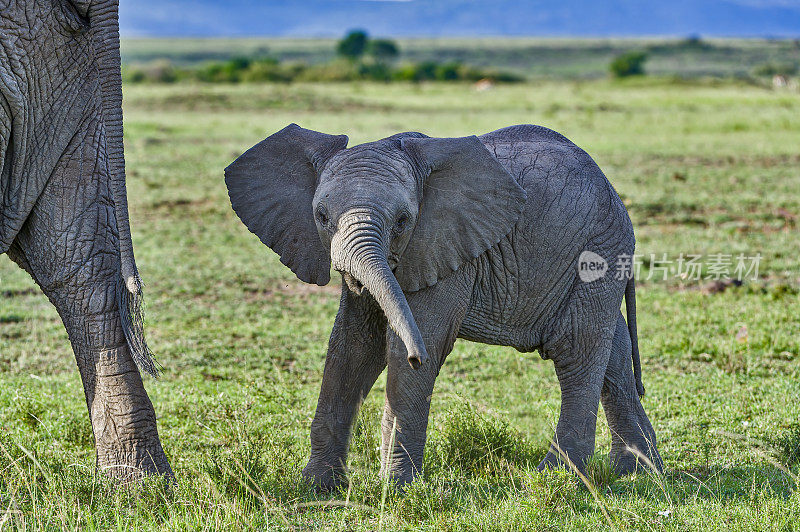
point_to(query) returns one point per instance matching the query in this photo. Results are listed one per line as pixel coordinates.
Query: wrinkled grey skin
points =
(64, 213)
(438, 239)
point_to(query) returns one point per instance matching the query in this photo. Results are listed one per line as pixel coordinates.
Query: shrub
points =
(448, 71)
(775, 69)
(375, 72)
(425, 71)
(268, 69)
(272, 70)
(788, 444)
(694, 42)
(405, 72)
(628, 64)
(160, 71)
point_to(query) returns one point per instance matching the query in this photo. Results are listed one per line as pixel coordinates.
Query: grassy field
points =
(528, 57)
(703, 169)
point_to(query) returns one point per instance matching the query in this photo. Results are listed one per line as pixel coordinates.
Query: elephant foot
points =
(398, 480)
(133, 462)
(323, 477)
(630, 459)
(554, 460)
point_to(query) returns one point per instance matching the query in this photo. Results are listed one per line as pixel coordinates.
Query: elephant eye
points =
(322, 215)
(401, 222)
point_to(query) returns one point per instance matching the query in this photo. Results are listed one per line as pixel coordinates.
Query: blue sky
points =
(220, 18)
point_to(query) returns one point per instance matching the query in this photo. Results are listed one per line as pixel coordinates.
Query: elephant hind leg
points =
(633, 441)
(70, 246)
(122, 416)
(579, 343)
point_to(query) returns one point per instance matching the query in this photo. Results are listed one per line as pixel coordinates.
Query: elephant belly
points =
(514, 296)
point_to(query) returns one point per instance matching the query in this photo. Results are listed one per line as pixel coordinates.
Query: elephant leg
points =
(632, 435)
(438, 312)
(580, 353)
(356, 356)
(70, 246)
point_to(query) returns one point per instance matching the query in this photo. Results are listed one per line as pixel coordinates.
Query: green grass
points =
(703, 168)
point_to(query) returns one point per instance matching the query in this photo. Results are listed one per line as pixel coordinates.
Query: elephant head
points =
(392, 216)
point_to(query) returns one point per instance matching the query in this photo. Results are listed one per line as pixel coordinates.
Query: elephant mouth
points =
(353, 284)
(356, 286)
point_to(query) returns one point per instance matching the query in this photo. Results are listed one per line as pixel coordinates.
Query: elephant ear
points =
(271, 187)
(469, 203)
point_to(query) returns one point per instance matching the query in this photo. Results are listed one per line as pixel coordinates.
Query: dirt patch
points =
(289, 289)
(185, 206)
(764, 218)
(19, 292)
(717, 287)
(775, 287)
(727, 161)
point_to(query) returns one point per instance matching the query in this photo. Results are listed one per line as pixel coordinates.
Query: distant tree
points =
(383, 50)
(693, 41)
(628, 64)
(353, 45)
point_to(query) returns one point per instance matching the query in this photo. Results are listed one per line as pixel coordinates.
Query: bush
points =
(628, 64)
(273, 71)
(375, 72)
(694, 42)
(383, 50)
(775, 69)
(333, 71)
(425, 71)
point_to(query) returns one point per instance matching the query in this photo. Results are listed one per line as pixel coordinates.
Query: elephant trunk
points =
(357, 250)
(103, 18)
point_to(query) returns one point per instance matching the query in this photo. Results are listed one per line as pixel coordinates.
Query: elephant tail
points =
(104, 22)
(132, 317)
(630, 309)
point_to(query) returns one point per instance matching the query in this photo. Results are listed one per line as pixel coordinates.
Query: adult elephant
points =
(64, 213)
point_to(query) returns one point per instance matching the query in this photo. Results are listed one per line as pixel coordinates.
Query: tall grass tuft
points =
(480, 444)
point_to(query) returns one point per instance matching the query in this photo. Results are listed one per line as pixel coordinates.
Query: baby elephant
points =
(511, 238)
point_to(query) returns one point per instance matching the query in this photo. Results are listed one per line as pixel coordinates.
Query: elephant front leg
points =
(356, 356)
(405, 413)
(438, 312)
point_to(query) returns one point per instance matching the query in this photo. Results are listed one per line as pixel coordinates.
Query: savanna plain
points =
(704, 167)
